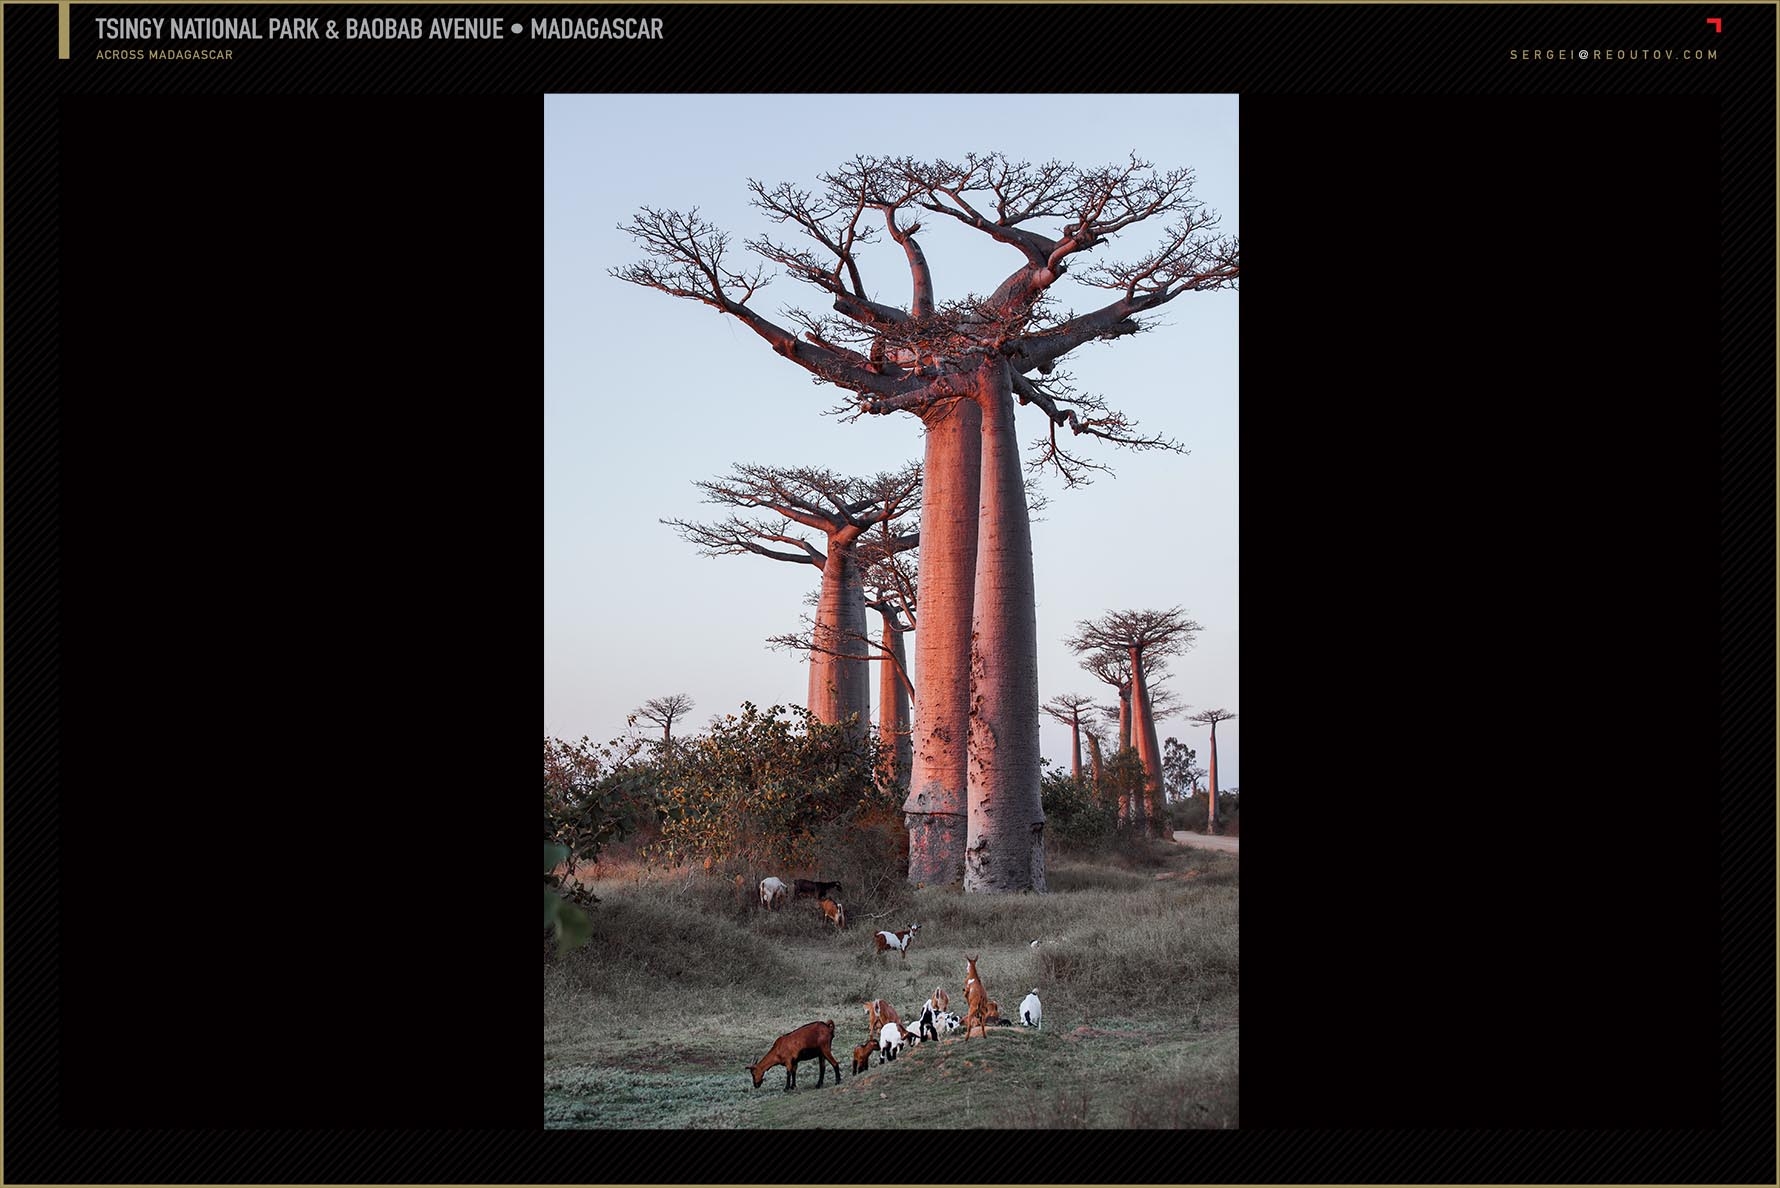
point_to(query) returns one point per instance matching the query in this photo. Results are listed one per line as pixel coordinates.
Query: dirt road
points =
(1205, 841)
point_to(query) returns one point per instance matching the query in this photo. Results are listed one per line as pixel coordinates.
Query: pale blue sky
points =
(643, 394)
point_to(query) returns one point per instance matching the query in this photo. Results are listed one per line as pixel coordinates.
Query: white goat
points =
(1031, 1012)
(773, 892)
(890, 1041)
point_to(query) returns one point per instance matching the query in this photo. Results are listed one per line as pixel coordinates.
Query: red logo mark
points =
(1717, 24)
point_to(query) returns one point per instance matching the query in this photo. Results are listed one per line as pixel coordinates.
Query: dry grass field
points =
(685, 981)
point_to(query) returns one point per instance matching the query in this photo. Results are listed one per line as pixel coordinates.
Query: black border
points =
(1276, 51)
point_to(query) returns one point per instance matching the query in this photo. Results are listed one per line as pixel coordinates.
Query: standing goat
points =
(979, 1010)
(811, 1041)
(877, 1013)
(773, 892)
(835, 912)
(896, 940)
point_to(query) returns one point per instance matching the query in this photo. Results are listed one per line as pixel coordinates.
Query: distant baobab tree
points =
(960, 366)
(1067, 708)
(842, 509)
(896, 747)
(1144, 637)
(886, 557)
(664, 712)
(1211, 718)
(1095, 759)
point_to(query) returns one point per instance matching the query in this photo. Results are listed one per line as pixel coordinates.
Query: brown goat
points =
(862, 1058)
(877, 1013)
(939, 1000)
(978, 1011)
(835, 912)
(811, 1041)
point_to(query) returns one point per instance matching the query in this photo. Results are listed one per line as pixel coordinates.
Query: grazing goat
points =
(897, 940)
(947, 1022)
(890, 1041)
(861, 1058)
(811, 1041)
(1031, 1011)
(835, 912)
(773, 892)
(977, 998)
(810, 887)
(928, 1027)
(877, 1013)
(939, 1000)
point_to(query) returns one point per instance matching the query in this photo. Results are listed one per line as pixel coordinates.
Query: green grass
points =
(684, 982)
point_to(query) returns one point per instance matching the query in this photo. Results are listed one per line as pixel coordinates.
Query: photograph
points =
(891, 627)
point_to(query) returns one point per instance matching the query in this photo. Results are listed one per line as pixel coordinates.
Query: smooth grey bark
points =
(1005, 847)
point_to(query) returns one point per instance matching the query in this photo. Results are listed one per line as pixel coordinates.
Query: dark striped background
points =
(1348, 1027)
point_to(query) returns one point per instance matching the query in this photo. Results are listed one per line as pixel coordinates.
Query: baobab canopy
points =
(960, 364)
(643, 396)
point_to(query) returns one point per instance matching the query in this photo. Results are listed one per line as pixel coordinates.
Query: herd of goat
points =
(886, 1033)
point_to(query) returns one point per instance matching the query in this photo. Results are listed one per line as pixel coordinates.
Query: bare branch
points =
(1049, 396)
(736, 535)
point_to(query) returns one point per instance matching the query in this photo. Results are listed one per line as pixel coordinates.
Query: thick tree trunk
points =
(951, 478)
(1094, 759)
(1152, 768)
(1211, 805)
(1075, 746)
(1141, 733)
(893, 704)
(1005, 850)
(840, 683)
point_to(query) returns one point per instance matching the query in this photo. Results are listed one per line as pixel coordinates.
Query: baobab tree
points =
(960, 367)
(664, 712)
(1211, 718)
(1067, 708)
(894, 691)
(842, 509)
(1094, 758)
(1144, 636)
(893, 574)
(886, 557)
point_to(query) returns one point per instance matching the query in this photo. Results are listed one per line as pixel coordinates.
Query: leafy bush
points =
(759, 787)
(592, 795)
(1074, 817)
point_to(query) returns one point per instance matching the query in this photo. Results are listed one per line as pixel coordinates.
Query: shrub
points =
(1074, 818)
(592, 795)
(759, 787)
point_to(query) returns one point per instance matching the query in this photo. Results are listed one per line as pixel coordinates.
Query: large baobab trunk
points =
(1143, 737)
(938, 783)
(840, 683)
(1005, 851)
(893, 702)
